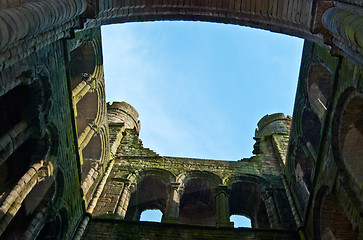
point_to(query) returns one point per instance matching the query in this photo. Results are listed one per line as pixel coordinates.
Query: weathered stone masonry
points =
(73, 167)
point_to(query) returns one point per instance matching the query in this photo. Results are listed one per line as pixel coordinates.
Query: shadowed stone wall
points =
(61, 160)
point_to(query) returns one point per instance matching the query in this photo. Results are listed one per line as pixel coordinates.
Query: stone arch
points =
(92, 154)
(56, 226)
(34, 188)
(101, 109)
(28, 102)
(302, 171)
(347, 134)
(42, 77)
(59, 187)
(12, 106)
(246, 199)
(163, 174)
(151, 191)
(261, 182)
(63, 216)
(330, 219)
(319, 87)
(53, 138)
(82, 63)
(87, 111)
(198, 203)
(51, 229)
(19, 162)
(311, 127)
(213, 178)
(258, 15)
(42, 193)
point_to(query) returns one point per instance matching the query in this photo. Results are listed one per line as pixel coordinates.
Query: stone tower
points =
(73, 167)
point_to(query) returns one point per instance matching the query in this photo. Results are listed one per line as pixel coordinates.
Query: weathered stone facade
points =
(73, 167)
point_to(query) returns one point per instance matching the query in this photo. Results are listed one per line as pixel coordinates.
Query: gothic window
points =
(319, 88)
(150, 193)
(198, 205)
(332, 222)
(303, 167)
(245, 200)
(82, 64)
(351, 136)
(92, 155)
(87, 109)
(311, 128)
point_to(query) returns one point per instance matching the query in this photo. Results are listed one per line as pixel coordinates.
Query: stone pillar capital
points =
(223, 189)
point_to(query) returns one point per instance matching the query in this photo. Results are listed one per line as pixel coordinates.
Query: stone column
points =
(13, 139)
(36, 225)
(124, 200)
(346, 24)
(271, 209)
(171, 214)
(87, 135)
(12, 203)
(222, 207)
(28, 19)
(83, 88)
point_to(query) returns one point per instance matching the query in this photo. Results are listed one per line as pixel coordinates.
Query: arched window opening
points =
(151, 215)
(18, 225)
(38, 197)
(302, 169)
(198, 205)
(319, 87)
(334, 223)
(51, 229)
(12, 107)
(91, 155)
(87, 109)
(245, 200)
(82, 64)
(311, 127)
(351, 137)
(15, 167)
(151, 193)
(240, 221)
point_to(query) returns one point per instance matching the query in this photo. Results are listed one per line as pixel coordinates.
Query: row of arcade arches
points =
(331, 220)
(31, 181)
(198, 198)
(86, 71)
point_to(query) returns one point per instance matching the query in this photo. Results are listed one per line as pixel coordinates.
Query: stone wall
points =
(317, 165)
(116, 229)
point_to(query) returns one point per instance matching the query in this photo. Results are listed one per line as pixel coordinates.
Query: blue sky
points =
(200, 88)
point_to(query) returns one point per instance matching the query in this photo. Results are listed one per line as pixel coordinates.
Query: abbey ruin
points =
(73, 167)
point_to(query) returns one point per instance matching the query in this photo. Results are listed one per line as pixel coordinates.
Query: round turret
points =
(275, 123)
(122, 112)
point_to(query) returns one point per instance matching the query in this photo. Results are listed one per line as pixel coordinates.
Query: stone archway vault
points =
(320, 21)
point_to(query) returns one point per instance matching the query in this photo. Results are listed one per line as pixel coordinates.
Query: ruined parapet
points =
(275, 123)
(121, 116)
(276, 126)
(122, 112)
